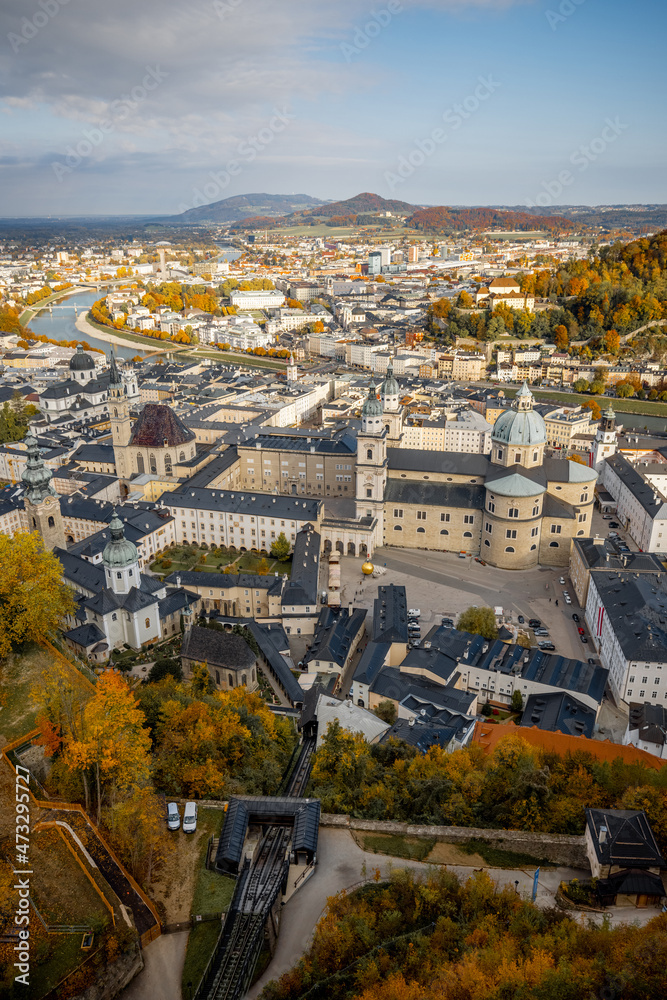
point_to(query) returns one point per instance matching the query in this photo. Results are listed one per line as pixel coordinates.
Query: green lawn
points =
(646, 406)
(201, 943)
(496, 857)
(20, 674)
(399, 846)
(189, 558)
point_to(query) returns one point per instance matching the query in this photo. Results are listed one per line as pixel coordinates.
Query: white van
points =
(190, 817)
(173, 817)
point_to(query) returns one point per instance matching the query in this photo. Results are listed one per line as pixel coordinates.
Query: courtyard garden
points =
(202, 559)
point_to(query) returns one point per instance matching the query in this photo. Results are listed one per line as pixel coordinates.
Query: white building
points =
(641, 506)
(257, 300)
(627, 617)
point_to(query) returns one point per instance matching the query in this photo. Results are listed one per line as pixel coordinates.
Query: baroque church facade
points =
(515, 509)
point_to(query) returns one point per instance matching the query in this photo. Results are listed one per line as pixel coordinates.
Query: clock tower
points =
(372, 463)
(41, 502)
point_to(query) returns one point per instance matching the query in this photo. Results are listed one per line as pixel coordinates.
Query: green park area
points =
(645, 406)
(202, 559)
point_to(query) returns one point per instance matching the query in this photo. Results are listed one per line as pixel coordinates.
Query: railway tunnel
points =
(264, 843)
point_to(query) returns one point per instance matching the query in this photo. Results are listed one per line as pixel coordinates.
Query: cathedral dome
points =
(520, 425)
(120, 551)
(80, 361)
(372, 405)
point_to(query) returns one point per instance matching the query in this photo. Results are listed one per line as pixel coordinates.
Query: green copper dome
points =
(120, 551)
(390, 385)
(372, 405)
(36, 477)
(520, 425)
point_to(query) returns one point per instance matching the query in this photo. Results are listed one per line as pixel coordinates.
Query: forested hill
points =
(361, 204)
(450, 220)
(244, 206)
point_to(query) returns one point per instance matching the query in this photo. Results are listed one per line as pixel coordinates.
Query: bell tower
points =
(371, 476)
(41, 502)
(119, 415)
(606, 441)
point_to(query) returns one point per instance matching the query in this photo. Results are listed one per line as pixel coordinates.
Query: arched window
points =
(580, 532)
(467, 534)
(509, 549)
(230, 680)
(140, 464)
(34, 523)
(513, 512)
(217, 677)
(444, 531)
(52, 523)
(148, 623)
(115, 411)
(152, 463)
(500, 453)
(398, 527)
(487, 542)
(421, 531)
(181, 457)
(553, 545)
(244, 679)
(534, 456)
(252, 675)
(533, 547)
(369, 453)
(167, 464)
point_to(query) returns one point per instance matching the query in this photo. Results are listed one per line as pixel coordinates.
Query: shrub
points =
(166, 563)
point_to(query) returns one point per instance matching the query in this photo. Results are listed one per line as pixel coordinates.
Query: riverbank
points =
(102, 333)
(31, 311)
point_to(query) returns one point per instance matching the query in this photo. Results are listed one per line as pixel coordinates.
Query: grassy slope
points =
(645, 406)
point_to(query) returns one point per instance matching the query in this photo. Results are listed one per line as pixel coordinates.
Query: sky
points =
(154, 106)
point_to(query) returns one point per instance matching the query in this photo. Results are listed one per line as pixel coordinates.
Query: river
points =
(60, 324)
(639, 421)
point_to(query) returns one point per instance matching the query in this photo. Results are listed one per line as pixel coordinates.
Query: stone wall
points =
(556, 848)
(113, 979)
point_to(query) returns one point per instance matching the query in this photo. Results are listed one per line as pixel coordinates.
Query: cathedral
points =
(514, 509)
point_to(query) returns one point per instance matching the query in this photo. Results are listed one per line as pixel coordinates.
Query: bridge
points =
(289, 833)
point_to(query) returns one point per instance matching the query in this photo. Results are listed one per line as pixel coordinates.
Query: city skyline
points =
(513, 102)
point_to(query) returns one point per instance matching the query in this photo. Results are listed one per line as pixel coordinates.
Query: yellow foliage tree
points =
(33, 599)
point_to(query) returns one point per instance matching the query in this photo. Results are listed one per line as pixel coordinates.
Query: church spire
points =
(115, 378)
(37, 477)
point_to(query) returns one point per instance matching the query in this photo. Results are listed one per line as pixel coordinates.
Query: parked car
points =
(568, 599)
(173, 817)
(190, 817)
(562, 580)
(417, 642)
(541, 631)
(583, 638)
(581, 631)
(575, 617)
(546, 647)
(606, 517)
(613, 534)
(614, 524)
(414, 613)
(534, 622)
(447, 623)
(521, 620)
(592, 661)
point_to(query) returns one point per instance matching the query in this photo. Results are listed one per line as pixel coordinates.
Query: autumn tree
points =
(561, 337)
(33, 599)
(114, 744)
(478, 621)
(387, 711)
(594, 407)
(280, 547)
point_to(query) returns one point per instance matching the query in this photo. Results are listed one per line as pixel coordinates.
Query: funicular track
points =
(259, 884)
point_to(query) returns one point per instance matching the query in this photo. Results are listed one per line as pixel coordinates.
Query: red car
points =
(581, 631)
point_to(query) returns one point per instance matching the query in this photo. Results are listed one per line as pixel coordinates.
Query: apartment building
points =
(317, 464)
(257, 300)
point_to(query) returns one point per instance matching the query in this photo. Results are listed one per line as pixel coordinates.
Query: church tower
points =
(120, 559)
(606, 441)
(41, 502)
(392, 412)
(292, 371)
(371, 462)
(119, 413)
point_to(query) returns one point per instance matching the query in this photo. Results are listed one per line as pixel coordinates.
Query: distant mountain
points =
(243, 206)
(362, 204)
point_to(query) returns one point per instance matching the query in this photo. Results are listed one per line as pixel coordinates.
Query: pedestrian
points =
(556, 602)
(549, 600)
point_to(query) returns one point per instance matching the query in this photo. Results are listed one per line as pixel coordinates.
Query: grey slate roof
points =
(390, 615)
(629, 840)
(217, 648)
(334, 634)
(277, 662)
(371, 662)
(417, 460)
(642, 491)
(559, 712)
(85, 635)
(636, 607)
(243, 502)
(649, 722)
(434, 494)
(81, 573)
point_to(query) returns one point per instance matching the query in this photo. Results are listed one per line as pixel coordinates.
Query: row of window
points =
(422, 531)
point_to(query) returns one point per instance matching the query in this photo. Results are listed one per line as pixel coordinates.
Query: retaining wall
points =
(554, 847)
